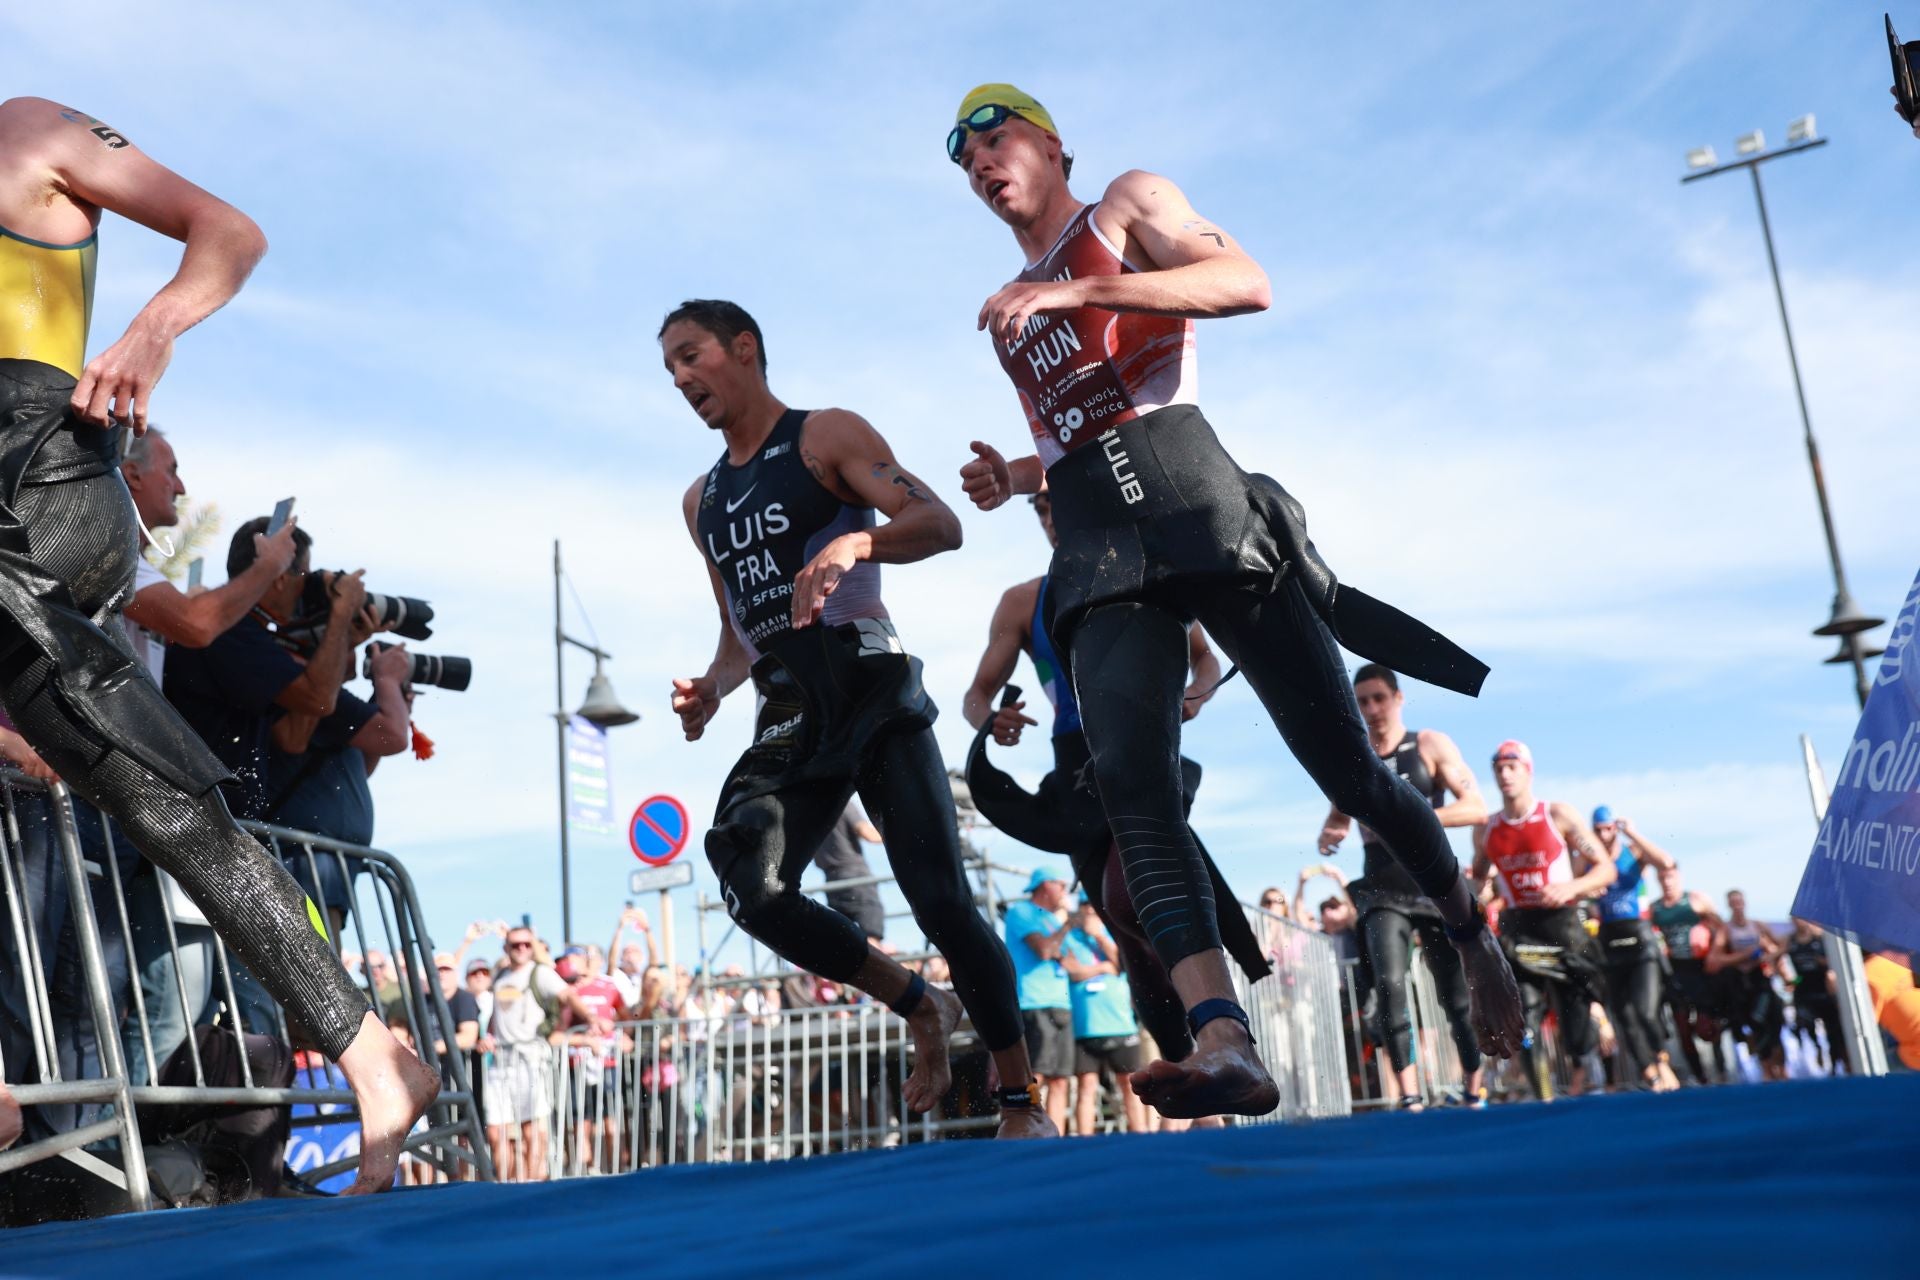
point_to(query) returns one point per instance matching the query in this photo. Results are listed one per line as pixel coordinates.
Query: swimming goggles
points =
(979, 120)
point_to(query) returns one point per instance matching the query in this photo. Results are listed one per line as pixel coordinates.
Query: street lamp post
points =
(601, 708)
(1847, 620)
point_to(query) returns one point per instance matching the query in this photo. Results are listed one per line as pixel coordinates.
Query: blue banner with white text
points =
(1863, 879)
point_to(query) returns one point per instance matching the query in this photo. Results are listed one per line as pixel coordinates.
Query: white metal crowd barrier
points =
(95, 1006)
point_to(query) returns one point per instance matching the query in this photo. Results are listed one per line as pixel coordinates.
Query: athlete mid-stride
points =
(1392, 908)
(1063, 815)
(786, 523)
(1547, 861)
(1158, 527)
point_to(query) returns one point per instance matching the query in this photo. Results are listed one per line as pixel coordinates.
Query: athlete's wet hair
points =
(1374, 671)
(724, 320)
(240, 551)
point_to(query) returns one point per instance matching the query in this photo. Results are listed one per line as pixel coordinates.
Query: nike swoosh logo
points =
(743, 497)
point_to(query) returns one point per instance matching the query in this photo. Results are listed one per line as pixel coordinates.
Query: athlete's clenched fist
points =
(695, 701)
(987, 479)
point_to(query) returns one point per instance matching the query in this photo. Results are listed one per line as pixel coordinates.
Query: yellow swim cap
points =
(1005, 95)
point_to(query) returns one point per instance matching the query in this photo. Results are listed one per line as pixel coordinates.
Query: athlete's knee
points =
(739, 851)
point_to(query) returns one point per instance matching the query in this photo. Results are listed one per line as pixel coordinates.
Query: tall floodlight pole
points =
(1847, 621)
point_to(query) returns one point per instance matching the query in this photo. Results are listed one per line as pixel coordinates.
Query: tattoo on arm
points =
(110, 137)
(1205, 232)
(819, 470)
(914, 492)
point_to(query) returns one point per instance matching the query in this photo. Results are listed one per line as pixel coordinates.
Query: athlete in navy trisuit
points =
(1392, 909)
(1063, 815)
(1159, 527)
(786, 523)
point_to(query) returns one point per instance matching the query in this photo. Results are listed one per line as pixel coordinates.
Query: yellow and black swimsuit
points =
(46, 300)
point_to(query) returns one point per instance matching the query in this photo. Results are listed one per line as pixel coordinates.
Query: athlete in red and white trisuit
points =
(1548, 860)
(1159, 527)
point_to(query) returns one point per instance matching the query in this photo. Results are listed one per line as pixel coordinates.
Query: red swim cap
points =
(1513, 749)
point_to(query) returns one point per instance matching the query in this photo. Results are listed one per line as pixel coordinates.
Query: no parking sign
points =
(658, 830)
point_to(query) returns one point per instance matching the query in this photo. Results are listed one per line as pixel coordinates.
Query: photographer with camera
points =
(157, 617)
(244, 693)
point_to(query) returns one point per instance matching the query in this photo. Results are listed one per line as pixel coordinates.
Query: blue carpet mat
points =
(1818, 1177)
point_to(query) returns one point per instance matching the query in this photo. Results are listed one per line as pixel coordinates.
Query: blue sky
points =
(1528, 386)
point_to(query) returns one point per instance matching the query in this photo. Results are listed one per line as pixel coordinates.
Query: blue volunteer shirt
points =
(1042, 983)
(1102, 1006)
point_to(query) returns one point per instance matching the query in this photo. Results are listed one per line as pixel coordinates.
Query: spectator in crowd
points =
(460, 1003)
(236, 691)
(323, 789)
(520, 1087)
(1816, 1001)
(631, 962)
(1035, 929)
(593, 1056)
(840, 858)
(1106, 1037)
(382, 979)
(159, 617)
(1335, 916)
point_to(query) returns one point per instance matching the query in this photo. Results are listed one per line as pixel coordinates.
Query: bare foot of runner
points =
(932, 1023)
(1025, 1122)
(392, 1088)
(1496, 1017)
(10, 1122)
(1222, 1076)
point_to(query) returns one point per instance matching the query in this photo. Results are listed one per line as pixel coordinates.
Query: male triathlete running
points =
(786, 523)
(68, 538)
(1744, 961)
(1630, 953)
(1064, 815)
(1158, 528)
(1392, 908)
(1547, 861)
(1688, 927)
(1816, 999)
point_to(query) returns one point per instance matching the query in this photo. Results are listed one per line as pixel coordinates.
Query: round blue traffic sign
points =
(658, 830)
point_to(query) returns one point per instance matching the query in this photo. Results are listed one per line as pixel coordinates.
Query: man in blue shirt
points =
(1035, 933)
(1105, 1035)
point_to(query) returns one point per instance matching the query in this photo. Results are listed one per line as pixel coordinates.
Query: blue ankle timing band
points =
(1207, 1010)
(910, 998)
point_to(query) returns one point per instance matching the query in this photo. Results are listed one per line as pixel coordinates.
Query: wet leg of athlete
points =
(1288, 656)
(1155, 1003)
(904, 787)
(1450, 984)
(1130, 672)
(1388, 936)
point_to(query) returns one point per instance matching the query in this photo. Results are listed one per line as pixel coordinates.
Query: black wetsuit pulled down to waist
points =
(843, 709)
(75, 691)
(1159, 527)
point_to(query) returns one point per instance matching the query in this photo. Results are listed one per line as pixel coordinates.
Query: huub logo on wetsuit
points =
(760, 524)
(1084, 371)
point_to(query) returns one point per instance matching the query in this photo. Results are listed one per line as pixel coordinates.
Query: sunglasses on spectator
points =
(519, 946)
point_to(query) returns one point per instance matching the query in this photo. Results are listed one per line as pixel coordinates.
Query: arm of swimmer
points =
(856, 462)
(1585, 847)
(1194, 269)
(1203, 668)
(95, 165)
(1651, 853)
(1006, 637)
(730, 665)
(1468, 807)
(1480, 873)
